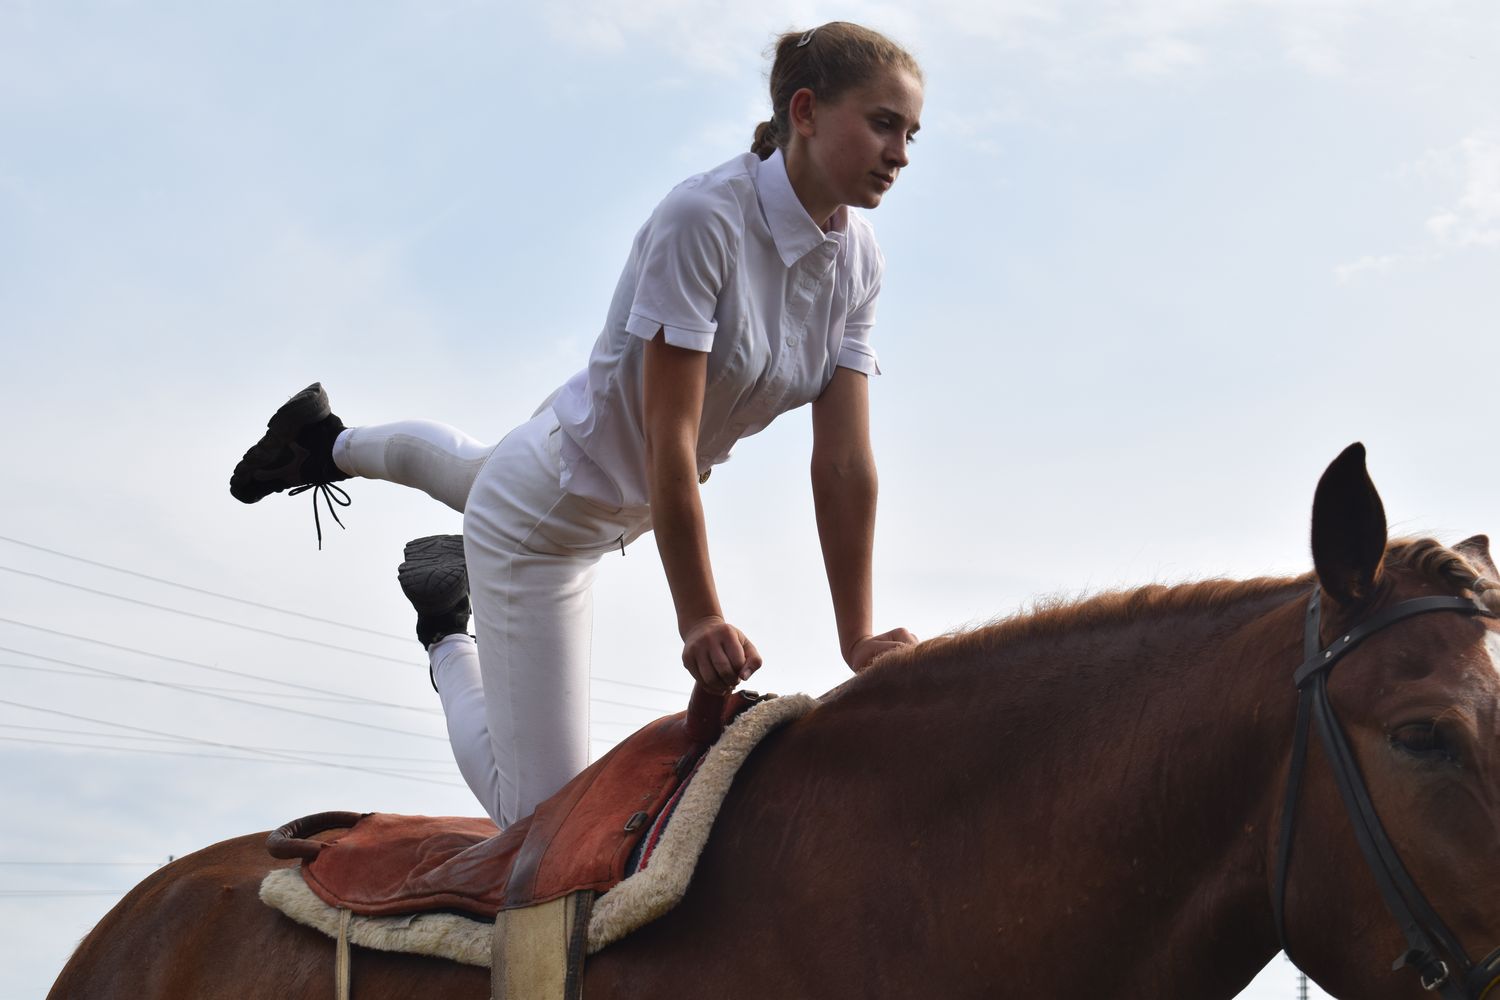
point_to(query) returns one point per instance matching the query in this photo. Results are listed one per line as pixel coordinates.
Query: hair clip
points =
(806, 37)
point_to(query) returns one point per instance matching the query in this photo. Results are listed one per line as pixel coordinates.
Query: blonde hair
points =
(828, 60)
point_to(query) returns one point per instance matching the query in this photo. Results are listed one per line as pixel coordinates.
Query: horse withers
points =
(1084, 800)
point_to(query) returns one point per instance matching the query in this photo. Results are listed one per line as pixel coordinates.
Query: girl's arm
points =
(714, 651)
(844, 489)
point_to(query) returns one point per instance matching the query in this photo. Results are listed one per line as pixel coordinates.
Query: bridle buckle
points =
(1442, 977)
(1431, 970)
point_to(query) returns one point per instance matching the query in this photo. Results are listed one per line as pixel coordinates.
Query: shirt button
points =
(791, 341)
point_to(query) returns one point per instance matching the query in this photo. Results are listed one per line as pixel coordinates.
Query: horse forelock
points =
(1055, 616)
(1445, 567)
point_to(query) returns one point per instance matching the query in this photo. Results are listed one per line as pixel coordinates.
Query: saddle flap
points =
(581, 838)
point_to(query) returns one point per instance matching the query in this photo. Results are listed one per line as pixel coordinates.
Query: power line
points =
(426, 777)
(157, 732)
(151, 732)
(224, 670)
(290, 711)
(266, 756)
(93, 675)
(84, 864)
(168, 737)
(249, 603)
(632, 726)
(32, 893)
(644, 687)
(104, 672)
(190, 663)
(336, 695)
(209, 593)
(622, 704)
(206, 618)
(87, 672)
(190, 689)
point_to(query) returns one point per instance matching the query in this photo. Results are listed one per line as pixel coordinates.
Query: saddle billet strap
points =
(1395, 884)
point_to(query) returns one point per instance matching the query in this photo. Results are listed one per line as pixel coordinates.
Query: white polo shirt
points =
(730, 263)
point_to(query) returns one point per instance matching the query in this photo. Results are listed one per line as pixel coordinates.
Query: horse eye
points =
(1424, 740)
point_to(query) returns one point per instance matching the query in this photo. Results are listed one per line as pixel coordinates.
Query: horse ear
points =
(1477, 551)
(1348, 528)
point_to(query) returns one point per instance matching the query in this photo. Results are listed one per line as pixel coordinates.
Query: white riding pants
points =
(517, 708)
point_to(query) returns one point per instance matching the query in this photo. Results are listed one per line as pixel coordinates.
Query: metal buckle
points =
(1423, 962)
(1439, 981)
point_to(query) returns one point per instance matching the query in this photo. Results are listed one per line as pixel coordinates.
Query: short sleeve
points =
(684, 256)
(856, 351)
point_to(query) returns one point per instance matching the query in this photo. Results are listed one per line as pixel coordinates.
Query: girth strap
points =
(341, 960)
(539, 950)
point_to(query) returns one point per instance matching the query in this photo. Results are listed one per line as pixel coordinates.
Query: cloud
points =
(1163, 56)
(1070, 38)
(1473, 165)
(1469, 219)
(1312, 47)
(1369, 264)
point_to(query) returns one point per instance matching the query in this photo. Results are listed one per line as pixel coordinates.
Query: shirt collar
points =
(792, 229)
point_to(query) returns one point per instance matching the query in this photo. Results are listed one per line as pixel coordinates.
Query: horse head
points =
(1407, 873)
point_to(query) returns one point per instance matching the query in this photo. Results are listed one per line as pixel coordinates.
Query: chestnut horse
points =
(1081, 801)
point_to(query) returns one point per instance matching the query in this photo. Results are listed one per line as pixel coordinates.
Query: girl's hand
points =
(718, 654)
(868, 649)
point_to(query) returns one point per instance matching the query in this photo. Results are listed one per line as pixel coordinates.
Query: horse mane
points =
(1054, 616)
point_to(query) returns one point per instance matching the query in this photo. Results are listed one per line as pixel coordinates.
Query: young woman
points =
(750, 291)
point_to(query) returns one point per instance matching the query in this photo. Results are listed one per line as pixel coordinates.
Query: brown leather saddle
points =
(581, 838)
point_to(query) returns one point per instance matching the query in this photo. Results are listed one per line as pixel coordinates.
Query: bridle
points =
(1431, 948)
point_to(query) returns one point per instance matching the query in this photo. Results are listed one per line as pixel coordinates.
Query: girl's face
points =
(856, 146)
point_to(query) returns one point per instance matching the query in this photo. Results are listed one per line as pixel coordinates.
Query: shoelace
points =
(327, 491)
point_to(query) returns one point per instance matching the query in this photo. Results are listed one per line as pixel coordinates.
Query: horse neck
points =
(1132, 762)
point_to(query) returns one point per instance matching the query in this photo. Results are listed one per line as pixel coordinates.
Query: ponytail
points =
(765, 142)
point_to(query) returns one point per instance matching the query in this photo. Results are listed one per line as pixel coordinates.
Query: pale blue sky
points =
(1155, 262)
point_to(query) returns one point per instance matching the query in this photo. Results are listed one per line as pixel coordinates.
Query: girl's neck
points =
(819, 205)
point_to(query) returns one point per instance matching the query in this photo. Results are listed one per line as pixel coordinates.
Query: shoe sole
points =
(306, 407)
(248, 485)
(434, 576)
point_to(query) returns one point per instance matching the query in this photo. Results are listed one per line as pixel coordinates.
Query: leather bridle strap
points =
(1426, 935)
(1310, 649)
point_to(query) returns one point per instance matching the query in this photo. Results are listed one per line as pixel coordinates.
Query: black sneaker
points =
(435, 579)
(296, 450)
(296, 454)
